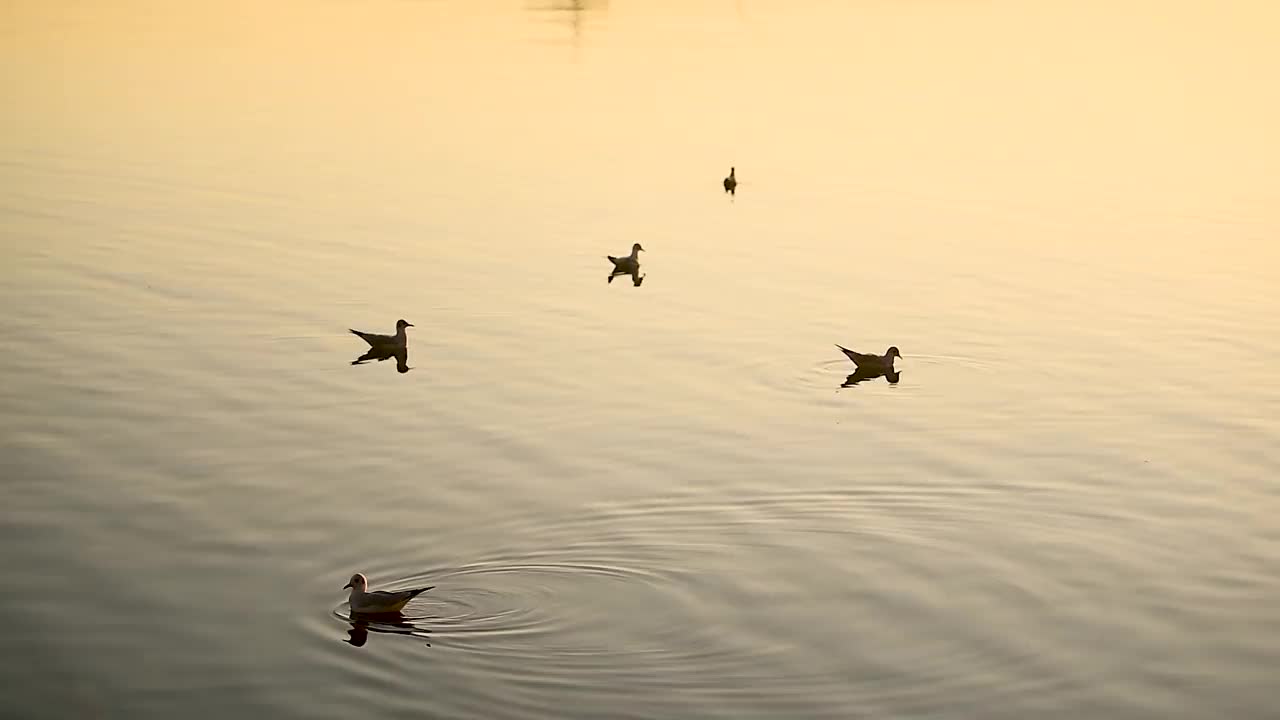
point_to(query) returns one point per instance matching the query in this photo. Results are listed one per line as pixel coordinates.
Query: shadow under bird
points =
(629, 264)
(636, 277)
(871, 361)
(379, 601)
(388, 623)
(385, 341)
(386, 352)
(731, 182)
(862, 375)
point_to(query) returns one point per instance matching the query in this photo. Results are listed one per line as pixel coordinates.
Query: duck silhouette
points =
(870, 361)
(375, 340)
(378, 601)
(629, 263)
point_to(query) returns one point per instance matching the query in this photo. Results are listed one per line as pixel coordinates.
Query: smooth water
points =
(656, 500)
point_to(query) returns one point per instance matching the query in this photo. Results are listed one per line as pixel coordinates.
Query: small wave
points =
(738, 597)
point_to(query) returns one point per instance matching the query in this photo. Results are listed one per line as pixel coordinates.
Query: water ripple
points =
(627, 595)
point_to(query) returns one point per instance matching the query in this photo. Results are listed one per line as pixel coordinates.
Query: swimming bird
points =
(629, 263)
(731, 182)
(374, 340)
(871, 361)
(363, 601)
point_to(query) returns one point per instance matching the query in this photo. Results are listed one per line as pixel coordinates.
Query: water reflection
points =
(634, 272)
(862, 375)
(389, 623)
(401, 354)
(570, 12)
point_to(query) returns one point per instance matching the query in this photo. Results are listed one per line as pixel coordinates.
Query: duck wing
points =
(374, 339)
(394, 596)
(388, 601)
(860, 358)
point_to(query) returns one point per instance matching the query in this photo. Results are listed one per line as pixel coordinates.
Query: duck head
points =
(358, 582)
(402, 324)
(892, 352)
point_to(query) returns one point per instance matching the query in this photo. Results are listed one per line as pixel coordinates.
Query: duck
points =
(629, 263)
(383, 341)
(363, 601)
(871, 361)
(731, 182)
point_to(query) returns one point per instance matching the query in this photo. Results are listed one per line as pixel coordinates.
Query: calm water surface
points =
(652, 501)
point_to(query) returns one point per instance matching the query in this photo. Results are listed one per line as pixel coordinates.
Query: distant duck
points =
(628, 264)
(383, 341)
(869, 361)
(731, 182)
(363, 601)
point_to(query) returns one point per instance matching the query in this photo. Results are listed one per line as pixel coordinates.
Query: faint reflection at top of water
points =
(570, 13)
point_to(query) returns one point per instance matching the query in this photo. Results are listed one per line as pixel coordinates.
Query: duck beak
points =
(408, 324)
(344, 587)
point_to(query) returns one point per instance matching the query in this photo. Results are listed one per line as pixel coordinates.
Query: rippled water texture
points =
(663, 495)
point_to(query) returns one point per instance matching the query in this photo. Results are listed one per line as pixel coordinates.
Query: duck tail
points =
(419, 591)
(612, 259)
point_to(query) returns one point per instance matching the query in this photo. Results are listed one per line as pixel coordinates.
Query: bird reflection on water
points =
(401, 354)
(862, 375)
(388, 623)
(575, 14)
(634, 272)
